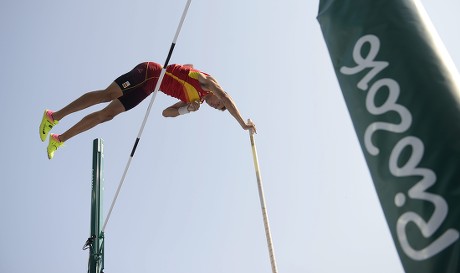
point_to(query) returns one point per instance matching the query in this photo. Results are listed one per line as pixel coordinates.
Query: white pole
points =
(262, 203)
(157, 87)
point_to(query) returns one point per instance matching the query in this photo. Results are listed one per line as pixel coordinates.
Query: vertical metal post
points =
(96, 240)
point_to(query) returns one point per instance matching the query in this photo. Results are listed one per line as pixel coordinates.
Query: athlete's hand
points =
(193, 106)
(250, 126)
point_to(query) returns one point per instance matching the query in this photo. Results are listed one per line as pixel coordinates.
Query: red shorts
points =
(138, 83)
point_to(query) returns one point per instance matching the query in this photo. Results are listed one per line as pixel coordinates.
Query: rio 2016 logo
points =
(411, 167)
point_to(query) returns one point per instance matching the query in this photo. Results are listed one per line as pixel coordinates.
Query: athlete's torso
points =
(181, 82)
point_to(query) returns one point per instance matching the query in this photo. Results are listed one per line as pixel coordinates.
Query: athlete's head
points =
(213, 101)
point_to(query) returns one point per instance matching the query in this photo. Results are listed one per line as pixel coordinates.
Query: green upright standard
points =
(96, 241)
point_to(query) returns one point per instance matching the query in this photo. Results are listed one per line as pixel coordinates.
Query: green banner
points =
(403, 96)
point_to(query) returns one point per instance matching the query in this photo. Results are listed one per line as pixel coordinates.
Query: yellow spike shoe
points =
(53, 145)
(47, 124)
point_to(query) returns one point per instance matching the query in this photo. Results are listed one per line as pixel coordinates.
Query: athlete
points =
(191, 86)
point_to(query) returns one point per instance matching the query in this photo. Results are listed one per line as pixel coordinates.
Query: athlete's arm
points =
(209, 83)
(173, 110)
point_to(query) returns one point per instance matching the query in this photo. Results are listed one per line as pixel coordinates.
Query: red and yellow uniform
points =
(179, 81)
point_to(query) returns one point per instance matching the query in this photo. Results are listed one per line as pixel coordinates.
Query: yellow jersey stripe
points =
(190, 92)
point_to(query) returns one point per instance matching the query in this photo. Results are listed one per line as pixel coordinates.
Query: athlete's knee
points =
(109, 113)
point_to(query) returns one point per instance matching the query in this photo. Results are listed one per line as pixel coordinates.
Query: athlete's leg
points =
(91, 120)
(89, 99)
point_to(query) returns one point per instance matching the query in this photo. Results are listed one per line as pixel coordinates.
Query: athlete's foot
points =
(53, 145)
(47, 124)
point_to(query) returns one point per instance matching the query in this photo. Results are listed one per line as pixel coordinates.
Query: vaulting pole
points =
(262, 203)
(157, 87)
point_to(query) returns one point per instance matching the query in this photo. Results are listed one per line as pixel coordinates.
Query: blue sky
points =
(190, 201)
